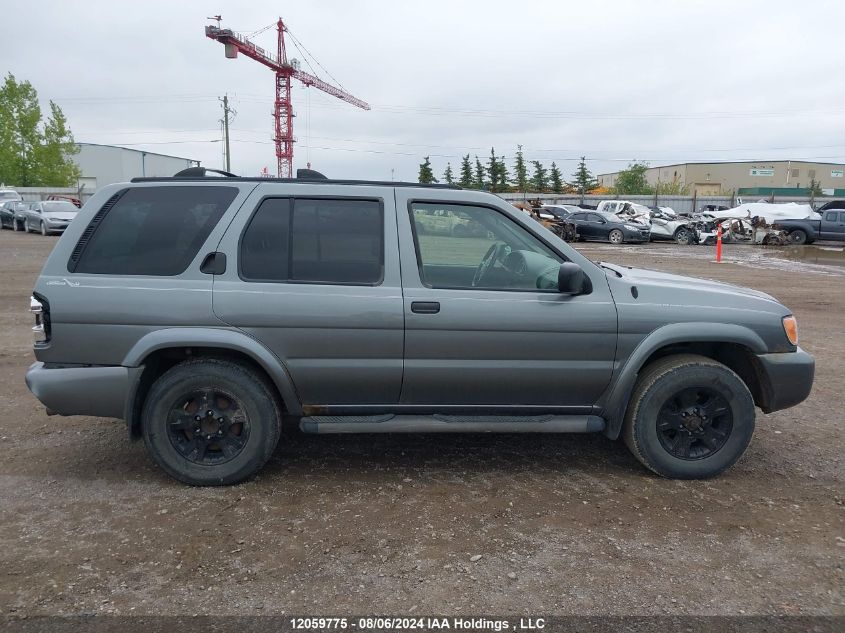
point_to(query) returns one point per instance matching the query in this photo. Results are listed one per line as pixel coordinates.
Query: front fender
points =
(671, 334)
(224, 338)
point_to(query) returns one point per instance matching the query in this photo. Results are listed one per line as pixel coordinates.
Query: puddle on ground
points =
(824, 255)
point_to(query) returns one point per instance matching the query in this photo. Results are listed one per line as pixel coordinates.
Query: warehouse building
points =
(103, 165)
(713, 179)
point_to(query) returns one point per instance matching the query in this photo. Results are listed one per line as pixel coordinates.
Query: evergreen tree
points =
(503, 183)
(520, 170)
(426, 174)
(32, 155)
(557, 179)
(582, 179)
(478, 181)
(466, 173)
(493, 171)
(540, 178)
(447, 175)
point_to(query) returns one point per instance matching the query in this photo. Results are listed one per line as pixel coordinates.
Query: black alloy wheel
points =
(695, 423)
(208, 427)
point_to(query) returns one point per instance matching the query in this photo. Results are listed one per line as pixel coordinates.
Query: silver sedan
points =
(52, 216)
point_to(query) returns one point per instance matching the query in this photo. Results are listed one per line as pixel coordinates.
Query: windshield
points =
(59, 207)
(9, 195)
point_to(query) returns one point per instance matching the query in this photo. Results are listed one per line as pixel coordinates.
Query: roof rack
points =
(194, 174)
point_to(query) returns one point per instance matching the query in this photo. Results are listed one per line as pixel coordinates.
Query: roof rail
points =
(301, 181)
(200, 172)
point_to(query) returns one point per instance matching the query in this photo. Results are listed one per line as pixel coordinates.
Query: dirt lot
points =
(388, 524)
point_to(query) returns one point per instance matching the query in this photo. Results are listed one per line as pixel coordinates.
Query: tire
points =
(798, 237)
(616, 237)
(16, 225)
(682, 236)
(672, 444)
(245, 413)
(43, 229)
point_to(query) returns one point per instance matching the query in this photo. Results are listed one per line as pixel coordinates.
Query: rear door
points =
(313, 274)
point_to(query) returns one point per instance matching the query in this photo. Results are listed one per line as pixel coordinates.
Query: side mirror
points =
(570, 279)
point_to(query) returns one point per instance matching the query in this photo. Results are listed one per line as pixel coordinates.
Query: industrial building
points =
(103, 165)
(713, 179)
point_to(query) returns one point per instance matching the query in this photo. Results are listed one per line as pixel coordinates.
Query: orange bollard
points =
(719, 244)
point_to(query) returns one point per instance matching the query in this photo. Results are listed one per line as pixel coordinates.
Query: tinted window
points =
(64, 207)
(463, 246)
(314, 240)
(830, 216)
(154, 230)
(578, 216)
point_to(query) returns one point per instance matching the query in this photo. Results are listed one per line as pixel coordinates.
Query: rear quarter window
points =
(154, 230)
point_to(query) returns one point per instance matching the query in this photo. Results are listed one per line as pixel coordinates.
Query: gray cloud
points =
(615, 81)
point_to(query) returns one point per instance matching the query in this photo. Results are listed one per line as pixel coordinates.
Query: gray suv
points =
(204, 310)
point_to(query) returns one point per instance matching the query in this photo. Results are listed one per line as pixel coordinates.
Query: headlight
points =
(790, 327)
(633, 227)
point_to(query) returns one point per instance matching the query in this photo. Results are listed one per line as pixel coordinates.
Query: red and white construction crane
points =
(285, 71)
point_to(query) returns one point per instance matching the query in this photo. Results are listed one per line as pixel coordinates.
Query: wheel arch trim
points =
(223, 338)
(671, 334)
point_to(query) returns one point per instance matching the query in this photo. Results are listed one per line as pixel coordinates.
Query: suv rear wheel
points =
(211, 422)
(690, 417)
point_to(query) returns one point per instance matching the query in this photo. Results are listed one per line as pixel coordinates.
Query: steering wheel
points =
(493, 254)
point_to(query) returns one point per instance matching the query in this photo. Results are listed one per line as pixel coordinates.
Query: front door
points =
(484, 323)
(317, 282)
(833, 225)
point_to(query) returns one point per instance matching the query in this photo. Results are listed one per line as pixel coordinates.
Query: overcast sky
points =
(660, 81)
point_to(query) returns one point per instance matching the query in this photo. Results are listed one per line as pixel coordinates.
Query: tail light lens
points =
(40, 310)
(790, 326)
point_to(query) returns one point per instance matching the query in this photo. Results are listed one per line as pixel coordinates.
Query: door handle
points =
(425, 307)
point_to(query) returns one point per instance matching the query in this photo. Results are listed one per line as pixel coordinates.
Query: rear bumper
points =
(789, 378)
(98, 391)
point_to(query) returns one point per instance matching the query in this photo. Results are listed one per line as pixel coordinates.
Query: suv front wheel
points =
(211, 422)
(689, 417)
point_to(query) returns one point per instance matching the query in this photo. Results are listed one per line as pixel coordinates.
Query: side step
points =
(390, 423)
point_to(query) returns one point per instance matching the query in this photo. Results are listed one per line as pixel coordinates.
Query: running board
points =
(390, 423)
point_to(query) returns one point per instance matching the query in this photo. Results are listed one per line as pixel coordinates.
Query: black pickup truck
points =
(830, 227)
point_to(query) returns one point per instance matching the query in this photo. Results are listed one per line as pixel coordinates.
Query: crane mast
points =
(235, 43)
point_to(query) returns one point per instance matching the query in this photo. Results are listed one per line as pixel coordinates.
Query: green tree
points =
(815, 188)
(478, 181)
(632, 181)
(540, 178)
(520, 171)
(557, 179)
(447, 175)
(493, 171)
(503, 177)
(33, 153)
(582, 179)
(55, 169)
(466, 172)
(426, 174)
(674, 188)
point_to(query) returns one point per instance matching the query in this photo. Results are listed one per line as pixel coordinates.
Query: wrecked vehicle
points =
(558, 223)
(806, 231)
(667, 228)
(609, 227)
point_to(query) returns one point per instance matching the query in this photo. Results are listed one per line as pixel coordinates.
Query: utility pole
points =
(226, 111)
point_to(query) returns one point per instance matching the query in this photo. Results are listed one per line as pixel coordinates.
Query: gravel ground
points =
(430, 524)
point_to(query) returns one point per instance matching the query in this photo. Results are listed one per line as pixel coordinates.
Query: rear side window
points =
(154, 230)
(331, 241)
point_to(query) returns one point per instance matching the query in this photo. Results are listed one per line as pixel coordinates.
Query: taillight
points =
(41, 329)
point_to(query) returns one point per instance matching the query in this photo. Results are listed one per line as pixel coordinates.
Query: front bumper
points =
(788, 379)
(94, 390)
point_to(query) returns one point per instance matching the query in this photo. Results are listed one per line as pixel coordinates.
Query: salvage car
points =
(664, 227)
(9, 212)
(204, 310)
(608, 227)
(831, 226)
